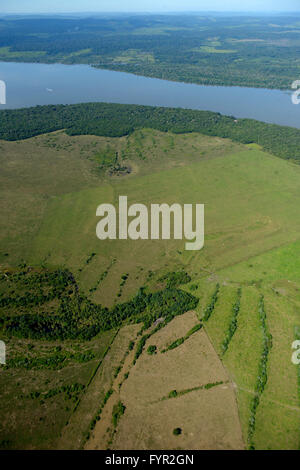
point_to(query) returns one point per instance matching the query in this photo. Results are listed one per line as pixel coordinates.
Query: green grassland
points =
(262, 218)
(34, 406)
(6, 53)
(275, 275)
(51, 186)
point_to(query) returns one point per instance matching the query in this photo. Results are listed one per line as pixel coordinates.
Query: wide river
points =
(38, 84)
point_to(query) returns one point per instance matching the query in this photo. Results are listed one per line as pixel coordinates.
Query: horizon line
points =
(147, 12)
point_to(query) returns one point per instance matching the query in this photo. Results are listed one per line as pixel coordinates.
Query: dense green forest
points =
(220, 50)
(116, 120)
(68, 313)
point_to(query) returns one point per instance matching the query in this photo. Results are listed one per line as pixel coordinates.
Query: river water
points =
(30, 84)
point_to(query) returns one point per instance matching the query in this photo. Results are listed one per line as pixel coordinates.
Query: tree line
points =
(117, 120)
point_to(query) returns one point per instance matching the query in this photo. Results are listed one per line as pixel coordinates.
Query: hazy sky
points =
(38, 6)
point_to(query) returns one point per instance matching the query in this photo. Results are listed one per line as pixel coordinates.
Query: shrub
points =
(152, 350)
(262, 371)
(175, 344)
(233, 322)
(118, 411)
(174, 279)
(210, 308)
(131, 345)
(193, 287)
(177, 431)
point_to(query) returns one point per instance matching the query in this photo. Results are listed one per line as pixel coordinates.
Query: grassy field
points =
(278, 413)
(51, 186)
(151, 414)
(31, 417)
(266, 219)
(74, 435)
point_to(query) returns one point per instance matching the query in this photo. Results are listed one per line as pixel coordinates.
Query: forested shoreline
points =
(117, 120)
(260, 51)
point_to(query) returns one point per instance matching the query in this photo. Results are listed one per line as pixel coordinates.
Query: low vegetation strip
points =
(175, 279)
(233, 322)
(96, 370)
(262, 372)
(118, 411)
(176, 394)
(54, 361)
(115, 120)
(97, 416)
(140, 347)
(143, 340)
(102, 276)
(71, 391)
(211, 306)
(180, 341)
(102, 359)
